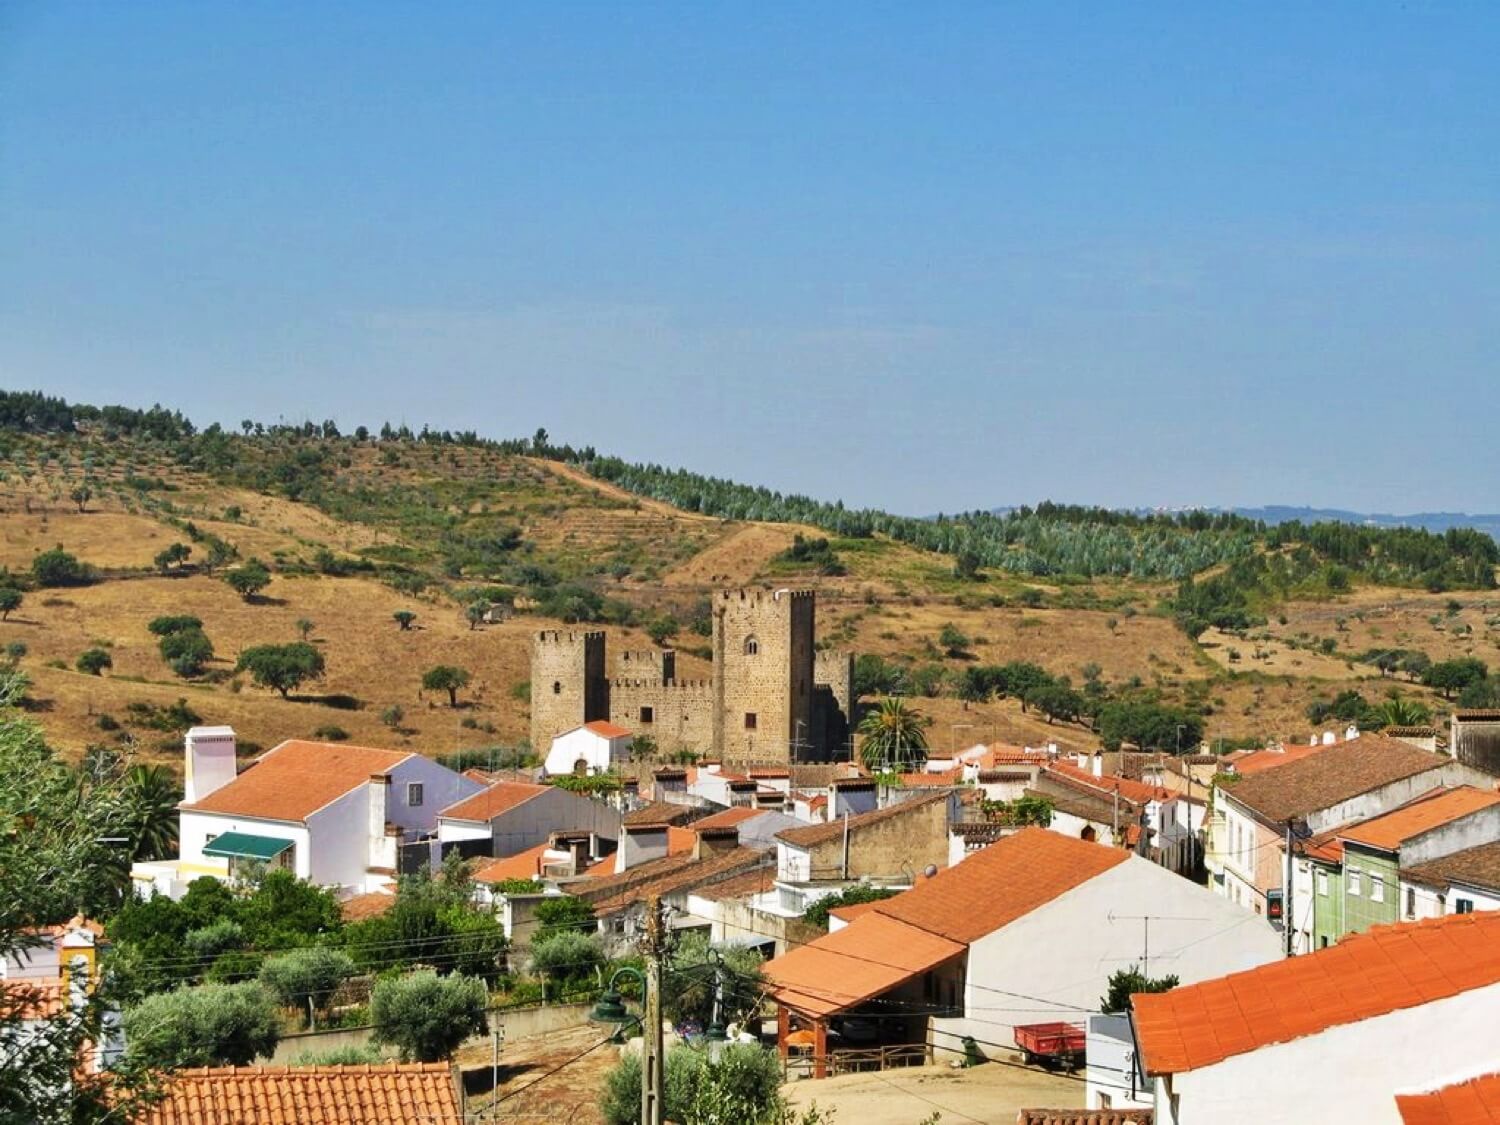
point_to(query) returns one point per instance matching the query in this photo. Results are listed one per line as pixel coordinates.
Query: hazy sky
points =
(929, 256)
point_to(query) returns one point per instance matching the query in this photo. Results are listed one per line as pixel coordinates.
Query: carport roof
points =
(870, 956)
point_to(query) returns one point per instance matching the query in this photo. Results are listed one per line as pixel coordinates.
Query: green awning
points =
(242, 845)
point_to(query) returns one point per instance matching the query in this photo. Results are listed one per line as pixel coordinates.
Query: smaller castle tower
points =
(568, 683)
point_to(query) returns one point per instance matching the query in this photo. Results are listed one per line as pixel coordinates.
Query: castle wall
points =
(833, 703)
(568, 685)
(681, 712)
(763, 673)
(658, 664)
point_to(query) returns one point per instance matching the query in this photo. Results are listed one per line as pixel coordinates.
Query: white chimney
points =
(380, 791)
(210, 761)
(1096, 765)
(1328, 738)
(1351, 732)
(640, 843)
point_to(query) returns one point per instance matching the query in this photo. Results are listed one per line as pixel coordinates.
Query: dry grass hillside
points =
(412, 524)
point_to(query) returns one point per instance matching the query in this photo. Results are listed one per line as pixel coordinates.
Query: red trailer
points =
(1052, 1044)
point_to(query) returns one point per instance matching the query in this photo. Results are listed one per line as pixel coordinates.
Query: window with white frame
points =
(1322, 881)
(1353, 887)
(1377, 888)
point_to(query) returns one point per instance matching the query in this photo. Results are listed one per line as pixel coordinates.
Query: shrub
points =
(566, 956)
(186, 650)
(563, 914)
(58, 568)
(174, 623)
(425, 1016)
(331, 734)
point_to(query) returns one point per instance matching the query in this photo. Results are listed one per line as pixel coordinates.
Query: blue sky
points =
(923, 256)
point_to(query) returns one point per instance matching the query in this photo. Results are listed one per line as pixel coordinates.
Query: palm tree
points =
(1398, 712)
(894, 736)
(149, 813)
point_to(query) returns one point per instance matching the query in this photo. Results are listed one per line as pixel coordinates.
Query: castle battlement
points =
(684, 686)
(559, 637)
(758, 596)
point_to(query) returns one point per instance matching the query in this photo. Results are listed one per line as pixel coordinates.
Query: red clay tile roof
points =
(1423, 814)
(864, 959)
(1254, 761)
(1000, 883)
(729, 818)
(1137, 791)
(498, 798)
(669, 875)
(1475, 1102)
(658, 813)
(815, 834)
(522, 865)
(608, 730)
(1339, 772)
(854, 910)
(1382, 970)
(297, 778)
(389, 1094)
(366, 906)
(1120, 1116)
(754, 882)
(33, 998)
(1477, 867)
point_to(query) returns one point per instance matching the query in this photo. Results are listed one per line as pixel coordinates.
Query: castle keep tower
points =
(568, 684)
(763, 675)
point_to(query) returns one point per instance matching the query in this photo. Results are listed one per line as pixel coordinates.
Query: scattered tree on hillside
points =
(305, 628)
(404, 618)
(1449, 676)
(283, 668)
(475, 613)
(174, 556)
(446, 677)
(186, 650)
(10, 600)
(93, 661)
(81, 495)
(249, 580)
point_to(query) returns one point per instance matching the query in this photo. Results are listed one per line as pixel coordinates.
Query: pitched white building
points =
(328, 812)
(593, 748)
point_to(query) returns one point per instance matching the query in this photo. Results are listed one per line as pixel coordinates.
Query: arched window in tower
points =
(752, 646)
(556, 687)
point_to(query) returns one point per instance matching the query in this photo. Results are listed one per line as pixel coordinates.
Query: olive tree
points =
(426, 1016)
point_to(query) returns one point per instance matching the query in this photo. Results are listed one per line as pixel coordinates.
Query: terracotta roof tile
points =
(1475, 1102)
(853, 910)
(1000, 883)
(753, 882)
(867, 957)
(1254, 761)
(658, 813)
(815, 834)
(607, 730)
(1382, 970)
(366, 906)
(729, 818)
(1429, 811)
(297, 778)
(1477, 867)
(498, 798)
(670, 875)
(1339, 772)
(390, 1094)
(1137, 791)
(522, 865)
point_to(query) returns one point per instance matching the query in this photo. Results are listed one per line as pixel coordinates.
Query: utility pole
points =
(653, 1047)
(1286, 897)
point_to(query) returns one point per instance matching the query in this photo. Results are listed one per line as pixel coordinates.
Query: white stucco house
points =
(512, 816)
(1027, 930)
(595, 747)
(328, 812)
(1337, 1035)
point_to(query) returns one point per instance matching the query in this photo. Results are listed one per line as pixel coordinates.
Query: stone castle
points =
(772, 698)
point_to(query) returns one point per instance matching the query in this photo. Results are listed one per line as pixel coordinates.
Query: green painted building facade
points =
(1350, 897)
